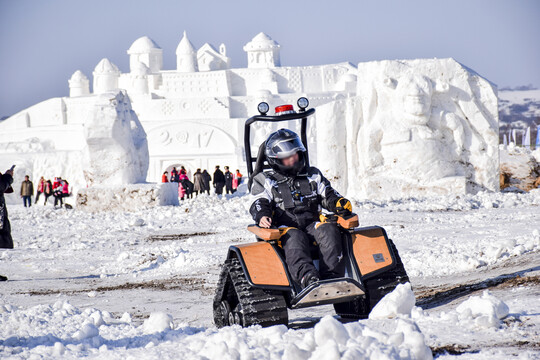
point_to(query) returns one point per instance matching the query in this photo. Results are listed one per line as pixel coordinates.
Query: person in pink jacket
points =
(181, 190)
(40, 189)
(65, 188)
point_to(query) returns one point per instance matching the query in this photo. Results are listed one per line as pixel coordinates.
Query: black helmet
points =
(282, 144)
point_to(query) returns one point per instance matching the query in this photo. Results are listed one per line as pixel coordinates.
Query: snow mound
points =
(128, 197)
(484, 311)
(47, 331)
(399, 302)
(87, 331)
(158, 322)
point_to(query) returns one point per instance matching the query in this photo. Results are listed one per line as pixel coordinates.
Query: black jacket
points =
(267, 199)
(206, 179)
(6, 242)
(228, 178)
(219, 178)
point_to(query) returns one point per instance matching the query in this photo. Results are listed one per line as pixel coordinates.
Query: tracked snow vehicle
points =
(255, 286)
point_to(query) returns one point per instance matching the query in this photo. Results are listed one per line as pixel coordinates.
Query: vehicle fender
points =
(263, 265)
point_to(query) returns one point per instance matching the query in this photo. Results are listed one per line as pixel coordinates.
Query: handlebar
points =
(273, 233)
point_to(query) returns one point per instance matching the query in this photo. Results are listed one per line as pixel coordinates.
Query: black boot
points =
(3, 278)
(309, 279)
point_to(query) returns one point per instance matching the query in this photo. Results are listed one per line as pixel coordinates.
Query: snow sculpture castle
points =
(152, 119)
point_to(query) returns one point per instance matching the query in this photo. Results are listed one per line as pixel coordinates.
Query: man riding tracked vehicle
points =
(300, 258)
(291, 196)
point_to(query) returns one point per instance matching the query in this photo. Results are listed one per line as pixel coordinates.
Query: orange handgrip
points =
(349, 223)
(265, 234)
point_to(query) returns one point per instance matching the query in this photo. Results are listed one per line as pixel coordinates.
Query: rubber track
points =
(258, 306)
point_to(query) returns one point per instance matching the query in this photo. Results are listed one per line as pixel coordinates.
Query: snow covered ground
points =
(140, 284)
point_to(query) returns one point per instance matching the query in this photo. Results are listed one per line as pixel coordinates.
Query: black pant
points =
(47, 196)
(37, 197)
(296, 244)
(58, 199)
(27, 199)
(228, 188)
(219, 188)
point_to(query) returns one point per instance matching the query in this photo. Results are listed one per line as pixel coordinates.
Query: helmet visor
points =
(282, 149)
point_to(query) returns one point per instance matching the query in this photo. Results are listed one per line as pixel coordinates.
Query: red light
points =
(284, 109)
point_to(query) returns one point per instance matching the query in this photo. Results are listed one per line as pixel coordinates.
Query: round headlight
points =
(302, 103)
(263, 108)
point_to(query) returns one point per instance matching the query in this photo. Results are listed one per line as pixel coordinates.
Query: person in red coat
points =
(164, 177)
(237, 180)
(56, 182)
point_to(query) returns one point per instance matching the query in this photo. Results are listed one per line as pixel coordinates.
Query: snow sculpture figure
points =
(404, 136)
(416, 135)
(117, 149)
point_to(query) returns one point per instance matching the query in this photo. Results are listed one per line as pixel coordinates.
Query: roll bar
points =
(300, 115)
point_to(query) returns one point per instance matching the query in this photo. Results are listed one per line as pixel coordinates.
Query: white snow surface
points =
(120, 284)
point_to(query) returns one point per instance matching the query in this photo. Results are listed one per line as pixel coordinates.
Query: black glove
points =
(343, 207)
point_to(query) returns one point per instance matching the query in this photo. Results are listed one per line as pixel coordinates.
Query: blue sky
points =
(43, 42)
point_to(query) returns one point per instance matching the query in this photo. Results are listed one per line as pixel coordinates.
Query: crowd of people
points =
(59, 189)
(201, 181)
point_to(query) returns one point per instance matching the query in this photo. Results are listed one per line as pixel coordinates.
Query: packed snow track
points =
(117, 284)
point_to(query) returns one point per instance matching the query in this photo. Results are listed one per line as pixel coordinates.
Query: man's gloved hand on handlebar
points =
(343, 207)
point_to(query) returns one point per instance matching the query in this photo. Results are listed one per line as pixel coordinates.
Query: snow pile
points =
(482, 311)
(399, 302)
(416, 127)
(51, 329)
(87, 331)
(128, 197)
(62, 329)
(158, 322)
(520, 168)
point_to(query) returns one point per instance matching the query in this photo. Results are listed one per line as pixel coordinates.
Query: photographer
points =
(6, 242)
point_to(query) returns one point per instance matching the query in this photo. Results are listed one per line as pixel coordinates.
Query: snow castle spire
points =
(78, 84)
(263, 52)
(106, 76)
(186, 56)
(145, 50)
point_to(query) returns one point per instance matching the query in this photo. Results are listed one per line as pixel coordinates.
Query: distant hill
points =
(519, 108)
